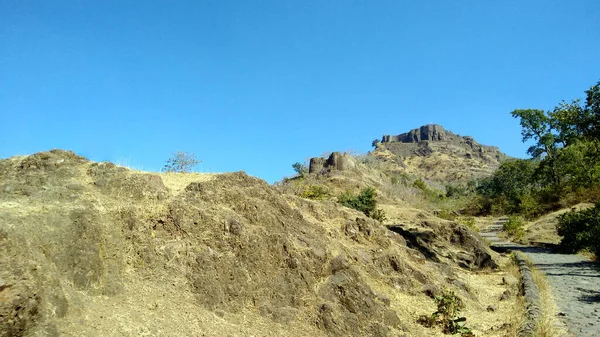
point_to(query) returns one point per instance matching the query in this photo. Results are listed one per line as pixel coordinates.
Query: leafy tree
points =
(300, 169)
(181, 162)
(592, 113)
(375, 142)
(536, 125)
(512, 179)
(565, 163)
(565, 140)
(580, 164)
(567, 119)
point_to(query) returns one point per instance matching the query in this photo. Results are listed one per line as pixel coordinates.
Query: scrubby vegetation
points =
(514, 227)
(315, 192)
(581, 230)
(447, 315)
(431, 194)
(364, 202)
(468, 221)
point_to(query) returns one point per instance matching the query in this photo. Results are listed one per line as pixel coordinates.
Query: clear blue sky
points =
(259, 85)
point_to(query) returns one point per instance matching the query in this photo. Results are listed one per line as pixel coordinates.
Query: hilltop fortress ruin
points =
(434, 138)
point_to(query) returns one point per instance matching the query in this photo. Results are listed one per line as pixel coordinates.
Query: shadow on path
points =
(589, 296)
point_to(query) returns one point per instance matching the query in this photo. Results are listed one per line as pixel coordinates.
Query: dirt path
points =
(575, 282)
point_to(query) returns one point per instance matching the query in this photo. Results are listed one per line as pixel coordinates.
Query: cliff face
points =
(431, 132)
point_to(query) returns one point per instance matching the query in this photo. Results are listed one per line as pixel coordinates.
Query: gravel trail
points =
(575, 282)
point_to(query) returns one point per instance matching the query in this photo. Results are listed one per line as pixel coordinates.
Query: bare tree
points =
(181, 162)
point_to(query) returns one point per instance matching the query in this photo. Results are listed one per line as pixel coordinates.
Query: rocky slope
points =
(93, 249)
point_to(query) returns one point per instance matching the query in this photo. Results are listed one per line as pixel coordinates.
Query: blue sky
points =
(259, 85)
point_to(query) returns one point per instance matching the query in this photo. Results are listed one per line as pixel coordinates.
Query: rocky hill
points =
(94, 249)
(430, 148)
(430, 152)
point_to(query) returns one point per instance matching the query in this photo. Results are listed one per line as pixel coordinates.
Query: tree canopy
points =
(565, 159)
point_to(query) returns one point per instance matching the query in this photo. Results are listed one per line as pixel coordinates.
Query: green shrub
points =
(456, 191)
(580, 230)
(314, 192)
(420, 184)
(448, 308)
(378, 215)
(364, 202)
(446, 214)
(397, 178)
(514, 227)
(348, 199)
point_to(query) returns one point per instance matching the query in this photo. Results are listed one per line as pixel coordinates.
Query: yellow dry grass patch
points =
(163, 305)
(549, 325)
(488, 288)
(453, 167)
(485, 290)
(543, 230)
(176, 182)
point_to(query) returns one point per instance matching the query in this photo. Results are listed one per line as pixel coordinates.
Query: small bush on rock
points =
(468, 221)
(448, 308)
(364, 202)
(420, 184)
(314, 192)
(446, 214)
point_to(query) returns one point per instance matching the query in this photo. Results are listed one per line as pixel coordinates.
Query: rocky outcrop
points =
(439, 243)
(336, 162)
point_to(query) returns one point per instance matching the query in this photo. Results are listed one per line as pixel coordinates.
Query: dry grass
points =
(543, 230)
(176, 182)
(548, 325)
(455, 167)
(517, 319)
